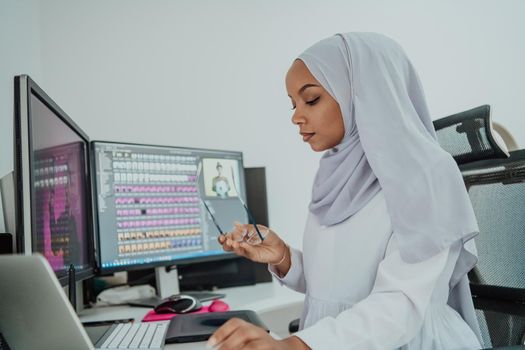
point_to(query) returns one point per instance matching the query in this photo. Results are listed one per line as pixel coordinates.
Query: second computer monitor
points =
(151, 203)
(53, 196)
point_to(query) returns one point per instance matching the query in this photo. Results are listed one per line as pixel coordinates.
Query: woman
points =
(387, 243)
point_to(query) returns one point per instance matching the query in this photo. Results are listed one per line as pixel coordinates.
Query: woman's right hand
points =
(271, 250)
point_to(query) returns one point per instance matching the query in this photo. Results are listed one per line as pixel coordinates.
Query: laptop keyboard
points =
(135, 336)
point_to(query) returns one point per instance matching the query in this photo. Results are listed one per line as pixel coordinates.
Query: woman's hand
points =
(271, 250)
(239, 334)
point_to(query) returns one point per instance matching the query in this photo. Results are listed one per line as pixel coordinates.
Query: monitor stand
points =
(167, 280)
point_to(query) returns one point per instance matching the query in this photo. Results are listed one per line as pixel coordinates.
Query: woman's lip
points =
(307, 136)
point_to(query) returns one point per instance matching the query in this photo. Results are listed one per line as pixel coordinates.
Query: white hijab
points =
(390, 144)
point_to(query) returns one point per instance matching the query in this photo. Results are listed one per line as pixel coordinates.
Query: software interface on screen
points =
(58, 177)
(150, 206)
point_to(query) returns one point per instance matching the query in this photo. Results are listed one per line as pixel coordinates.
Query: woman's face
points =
(316, 113)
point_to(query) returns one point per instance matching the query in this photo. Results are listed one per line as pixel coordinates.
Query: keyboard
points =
(135, 336)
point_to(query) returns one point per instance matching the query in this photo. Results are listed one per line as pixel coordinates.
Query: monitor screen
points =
(151, 203)
(52, 167)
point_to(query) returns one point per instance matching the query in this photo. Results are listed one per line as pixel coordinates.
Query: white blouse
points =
(360, 294)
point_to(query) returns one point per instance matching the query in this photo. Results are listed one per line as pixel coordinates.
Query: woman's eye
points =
(293, 107)
(314, 101)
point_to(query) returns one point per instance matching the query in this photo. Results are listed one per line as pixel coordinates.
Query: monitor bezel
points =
(24, 173)
(175, 262)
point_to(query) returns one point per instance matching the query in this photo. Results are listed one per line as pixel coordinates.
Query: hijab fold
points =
(390, 144)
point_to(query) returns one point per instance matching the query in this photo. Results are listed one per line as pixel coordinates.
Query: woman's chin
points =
(317, 148)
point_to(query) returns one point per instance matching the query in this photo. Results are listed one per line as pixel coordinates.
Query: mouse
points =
(178, 304)
(218, 306)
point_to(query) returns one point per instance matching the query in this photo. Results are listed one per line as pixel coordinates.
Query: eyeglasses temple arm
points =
(250, 216)
(199, 168)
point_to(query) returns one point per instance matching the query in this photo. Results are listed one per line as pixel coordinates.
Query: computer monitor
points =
(151, 210)
(52, 184)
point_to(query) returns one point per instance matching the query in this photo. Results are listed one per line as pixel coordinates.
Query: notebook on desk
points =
(35, 314)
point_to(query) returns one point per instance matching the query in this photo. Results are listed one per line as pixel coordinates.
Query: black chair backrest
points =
(497, 192)
(495, 181)
(468, 136)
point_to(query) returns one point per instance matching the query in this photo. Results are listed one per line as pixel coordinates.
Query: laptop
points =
(36, 314)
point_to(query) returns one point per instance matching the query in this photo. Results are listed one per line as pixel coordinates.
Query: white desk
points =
(276, 305)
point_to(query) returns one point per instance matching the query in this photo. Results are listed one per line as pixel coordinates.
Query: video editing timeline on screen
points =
(156, 204)
(150, 208)
(160, 216)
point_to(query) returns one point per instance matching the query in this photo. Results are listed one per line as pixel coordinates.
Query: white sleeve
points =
(294, 279)
(391, 315)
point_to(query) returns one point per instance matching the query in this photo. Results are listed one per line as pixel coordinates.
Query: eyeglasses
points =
(251, 237)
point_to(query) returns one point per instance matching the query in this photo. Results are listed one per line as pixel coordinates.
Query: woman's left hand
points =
(239, 334)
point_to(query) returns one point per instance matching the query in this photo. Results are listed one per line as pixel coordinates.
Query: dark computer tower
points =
(256, 197)
(257, 201)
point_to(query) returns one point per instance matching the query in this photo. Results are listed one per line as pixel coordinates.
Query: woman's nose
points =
(298, 117)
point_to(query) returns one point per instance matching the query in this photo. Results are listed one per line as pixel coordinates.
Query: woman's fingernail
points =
(211, 343)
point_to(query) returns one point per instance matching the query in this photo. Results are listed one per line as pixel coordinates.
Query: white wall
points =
(211, 73)
(19, 54)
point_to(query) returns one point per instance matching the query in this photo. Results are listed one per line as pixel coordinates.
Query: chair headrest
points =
(468, 136)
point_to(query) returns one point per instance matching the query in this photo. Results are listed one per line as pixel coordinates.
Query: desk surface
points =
(270, 300)
(276, 305)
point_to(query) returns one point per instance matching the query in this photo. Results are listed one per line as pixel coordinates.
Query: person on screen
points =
(64, 236)
(220, 183)
(388, 239)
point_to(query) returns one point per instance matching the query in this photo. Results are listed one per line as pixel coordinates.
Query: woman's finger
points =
(224, 331)
(223, 241)
(237, 232)
(238, 248)
(249, 250)
(240, 337)
(226, 240)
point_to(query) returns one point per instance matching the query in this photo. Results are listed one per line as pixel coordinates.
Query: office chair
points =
(495, 181)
